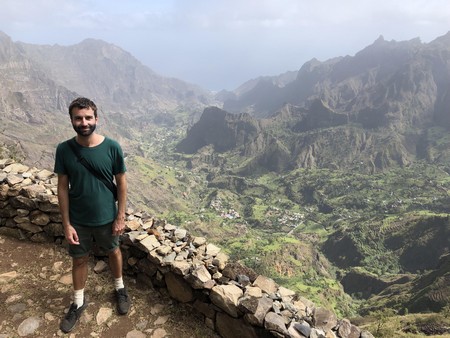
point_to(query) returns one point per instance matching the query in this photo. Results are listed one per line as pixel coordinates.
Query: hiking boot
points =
(71, 318)
(123, 301)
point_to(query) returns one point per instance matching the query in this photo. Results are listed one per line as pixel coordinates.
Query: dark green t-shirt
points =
(91, 203)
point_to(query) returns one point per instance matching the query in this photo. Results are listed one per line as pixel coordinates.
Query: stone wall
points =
(234, 300)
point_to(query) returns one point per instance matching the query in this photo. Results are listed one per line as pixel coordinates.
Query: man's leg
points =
(115, 263)
(80, 258)
(79, 277)
(110, 243)
(79, 272)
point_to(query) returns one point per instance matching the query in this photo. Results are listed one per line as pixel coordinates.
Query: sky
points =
(220, 44)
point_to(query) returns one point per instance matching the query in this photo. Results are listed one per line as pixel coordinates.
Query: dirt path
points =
(35, 289)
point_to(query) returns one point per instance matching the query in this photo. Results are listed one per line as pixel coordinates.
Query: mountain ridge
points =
(369, 63)
(389, 94)
(123, 80)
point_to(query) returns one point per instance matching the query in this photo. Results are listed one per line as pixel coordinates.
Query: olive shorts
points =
(102, 235)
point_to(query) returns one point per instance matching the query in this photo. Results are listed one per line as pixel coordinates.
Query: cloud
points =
(222, 43)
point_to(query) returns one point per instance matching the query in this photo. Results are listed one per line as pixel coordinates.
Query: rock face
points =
(224, 131)
(314, 137)
(376, 108)
(233, 299)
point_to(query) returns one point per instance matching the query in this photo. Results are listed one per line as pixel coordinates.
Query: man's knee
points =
(80, 261)
(115, 252)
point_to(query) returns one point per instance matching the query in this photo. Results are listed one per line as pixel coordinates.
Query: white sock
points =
(118, 283)
(78, 297)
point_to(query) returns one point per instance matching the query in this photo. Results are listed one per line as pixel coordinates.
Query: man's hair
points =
(82, 103)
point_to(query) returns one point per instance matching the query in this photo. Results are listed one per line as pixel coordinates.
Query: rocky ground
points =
(35, 290)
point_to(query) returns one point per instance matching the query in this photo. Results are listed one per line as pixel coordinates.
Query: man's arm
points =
(63, 200)
(122, 187)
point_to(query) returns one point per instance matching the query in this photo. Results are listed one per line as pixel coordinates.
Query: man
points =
(88, 208)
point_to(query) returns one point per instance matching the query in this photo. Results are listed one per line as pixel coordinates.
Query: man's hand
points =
(71, 235)
(118, 226)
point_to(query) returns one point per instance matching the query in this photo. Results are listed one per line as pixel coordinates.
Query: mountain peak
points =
(4, 36)
(444, 39)
(380, 39)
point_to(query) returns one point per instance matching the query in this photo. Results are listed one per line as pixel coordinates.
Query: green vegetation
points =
(307, 228)
(386, 323)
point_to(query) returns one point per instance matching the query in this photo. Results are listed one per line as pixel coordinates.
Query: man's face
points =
(84, 121)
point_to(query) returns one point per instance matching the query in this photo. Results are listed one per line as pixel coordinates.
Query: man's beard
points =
(85, 131)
